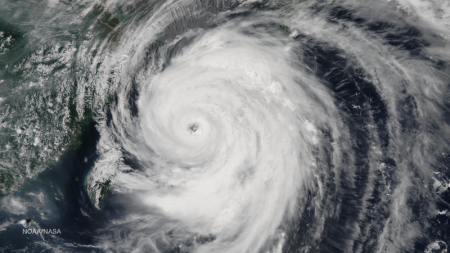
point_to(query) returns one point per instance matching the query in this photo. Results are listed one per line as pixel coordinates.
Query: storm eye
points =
(194, 129)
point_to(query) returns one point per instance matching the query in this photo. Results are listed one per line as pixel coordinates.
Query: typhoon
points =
(232, 127)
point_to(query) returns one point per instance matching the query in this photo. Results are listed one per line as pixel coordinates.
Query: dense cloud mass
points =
(311, 126)
(252, 126)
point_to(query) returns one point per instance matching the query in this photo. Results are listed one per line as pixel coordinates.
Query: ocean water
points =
(56, 199)
(225, 126)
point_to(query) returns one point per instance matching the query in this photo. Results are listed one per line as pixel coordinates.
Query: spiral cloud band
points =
(237, 128)
(224, 114)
